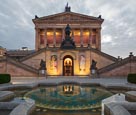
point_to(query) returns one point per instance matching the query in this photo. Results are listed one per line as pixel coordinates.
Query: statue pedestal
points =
(42, 73)
(93, 73)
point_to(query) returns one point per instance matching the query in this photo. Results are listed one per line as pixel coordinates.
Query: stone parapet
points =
(114, 109)
(6, 95)
(131, 95)
(117, 105)
(24, 108)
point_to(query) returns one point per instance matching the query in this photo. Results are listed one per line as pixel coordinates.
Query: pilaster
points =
(36, 39)
(45, 37)
(81, 36)
(63, 33)
(54, 34)
(90, 36)
(99, 38)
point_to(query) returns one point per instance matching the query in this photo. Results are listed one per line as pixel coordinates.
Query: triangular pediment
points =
(67, 16)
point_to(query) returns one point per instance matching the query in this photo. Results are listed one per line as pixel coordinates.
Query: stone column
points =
(90, 37)
(99, 38)
(54, 34)
(45, 37)
(63, 33)
(72, 35)
(81, 36)
(36, 39)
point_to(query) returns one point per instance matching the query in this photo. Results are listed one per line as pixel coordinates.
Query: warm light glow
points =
(67, 60)
(58, 33)
(49, 33)
(86, 33)
(76, 33)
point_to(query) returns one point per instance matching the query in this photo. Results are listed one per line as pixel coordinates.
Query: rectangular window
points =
(77, 37)
(86, 37)
(50, 37)
(58, 37)
(42, 39)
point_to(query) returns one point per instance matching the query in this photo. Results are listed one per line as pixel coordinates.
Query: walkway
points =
(106, 82)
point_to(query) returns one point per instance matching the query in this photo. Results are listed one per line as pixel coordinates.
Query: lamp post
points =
(130, 58)
(5, 62)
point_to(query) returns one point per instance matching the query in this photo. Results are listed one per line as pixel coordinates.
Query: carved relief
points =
(82, 62)
(53, 63)
(73, 17)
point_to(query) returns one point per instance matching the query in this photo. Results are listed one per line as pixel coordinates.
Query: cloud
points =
(118, 29)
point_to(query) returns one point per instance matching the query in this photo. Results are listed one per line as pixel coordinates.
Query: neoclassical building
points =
(66, 44)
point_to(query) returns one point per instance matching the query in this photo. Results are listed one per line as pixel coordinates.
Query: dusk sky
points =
(118, 29)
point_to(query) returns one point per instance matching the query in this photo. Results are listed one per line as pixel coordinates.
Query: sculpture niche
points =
(68, 42)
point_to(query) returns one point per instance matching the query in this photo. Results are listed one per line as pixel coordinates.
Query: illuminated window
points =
(50, 36)
(42, 37)
(86, 36)
(77, 37)
(93, 36)
(58, 36)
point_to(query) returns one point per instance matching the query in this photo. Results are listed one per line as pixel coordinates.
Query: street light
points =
(130, 58)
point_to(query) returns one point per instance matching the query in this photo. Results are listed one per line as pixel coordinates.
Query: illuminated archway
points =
(68, 66)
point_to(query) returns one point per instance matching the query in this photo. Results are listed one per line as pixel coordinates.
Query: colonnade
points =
(43, 33)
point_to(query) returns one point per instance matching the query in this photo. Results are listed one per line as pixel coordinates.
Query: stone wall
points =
(2, 67)
(17, 71)
(123, 70)
(101, 60)
(34, 61)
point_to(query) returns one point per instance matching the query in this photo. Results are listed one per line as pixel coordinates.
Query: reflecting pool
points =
(68, 97)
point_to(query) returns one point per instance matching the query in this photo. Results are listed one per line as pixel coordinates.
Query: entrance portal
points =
(68, 66)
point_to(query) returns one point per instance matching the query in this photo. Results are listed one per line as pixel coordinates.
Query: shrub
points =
(131, 78)
(5, 78)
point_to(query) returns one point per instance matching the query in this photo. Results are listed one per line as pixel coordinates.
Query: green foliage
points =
(131, 78)
(5, 78)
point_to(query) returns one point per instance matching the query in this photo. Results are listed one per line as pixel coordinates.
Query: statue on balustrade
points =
(93, 67)
(42, 65)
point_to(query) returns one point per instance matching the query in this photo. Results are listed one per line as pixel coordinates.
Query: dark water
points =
(68, 97)
(49, 99)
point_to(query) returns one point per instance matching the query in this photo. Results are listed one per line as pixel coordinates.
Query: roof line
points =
(84, 15)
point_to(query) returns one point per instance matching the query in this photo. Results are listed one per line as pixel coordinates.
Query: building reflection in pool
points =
(68, 97)
(68, 89)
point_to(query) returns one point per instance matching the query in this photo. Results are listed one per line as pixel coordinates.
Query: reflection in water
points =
(68, 97)
(68, 89)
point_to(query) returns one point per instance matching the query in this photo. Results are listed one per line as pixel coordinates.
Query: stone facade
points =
(122, 70)
(16, 68)
(50, 34)
(50, 30)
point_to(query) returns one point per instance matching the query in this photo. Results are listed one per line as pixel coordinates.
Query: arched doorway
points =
(68, 66)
